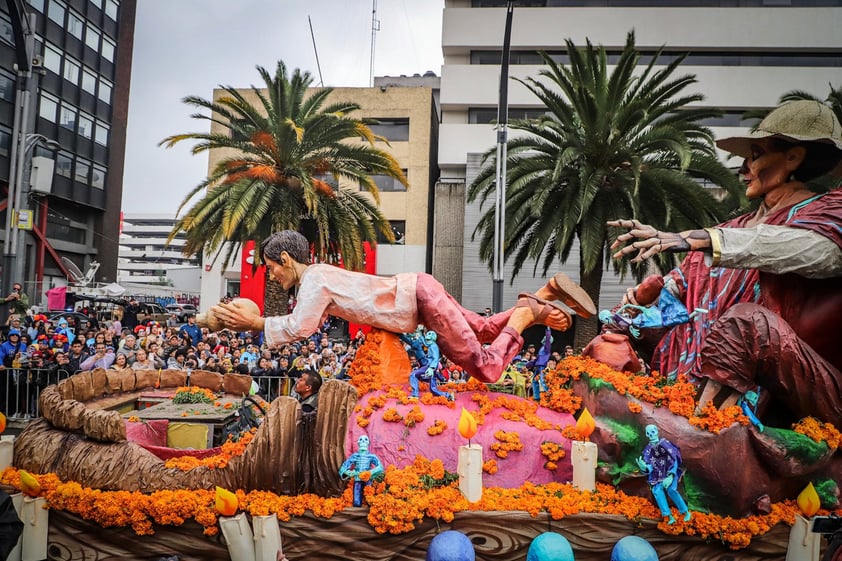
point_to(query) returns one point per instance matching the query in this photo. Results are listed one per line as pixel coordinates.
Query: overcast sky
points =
(189, 47)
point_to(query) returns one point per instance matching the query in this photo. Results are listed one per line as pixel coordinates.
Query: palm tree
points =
(612, 145)
(285, 148)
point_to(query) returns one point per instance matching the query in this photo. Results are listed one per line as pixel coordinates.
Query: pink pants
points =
(462, 333)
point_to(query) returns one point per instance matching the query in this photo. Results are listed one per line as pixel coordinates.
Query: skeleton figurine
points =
(357, 463)
(661, 460)
(428, 367)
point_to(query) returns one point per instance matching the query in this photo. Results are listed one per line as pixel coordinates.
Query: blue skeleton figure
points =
(358, 462)
(748, 403)
(540, 364)
(428, 365)
(661, 460)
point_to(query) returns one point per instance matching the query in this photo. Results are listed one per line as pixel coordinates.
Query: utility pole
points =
(502, 154)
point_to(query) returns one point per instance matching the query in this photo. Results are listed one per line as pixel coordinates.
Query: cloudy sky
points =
(189, 47)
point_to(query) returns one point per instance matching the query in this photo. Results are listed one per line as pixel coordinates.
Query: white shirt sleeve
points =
(313, 298)
(780, 250)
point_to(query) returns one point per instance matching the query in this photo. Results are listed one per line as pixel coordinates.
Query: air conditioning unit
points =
(41, 177)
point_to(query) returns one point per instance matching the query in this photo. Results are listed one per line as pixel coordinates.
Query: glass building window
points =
(89, 81)
(64, 165)
(37, 4)
(398, 231)
(7, 87)
(98, 178)
(56, 12)
(48, 107)
(101, 136)
(83, 170)
(67, 118)
(71, 71)
(97, 3)
(75, 25)
(6, 31)
(391, 129)
(5, 142)
(92, 38)
(111, 7)
(52, 59)
(108, 48)
(86, 125)
(387, 183)
(105, 91)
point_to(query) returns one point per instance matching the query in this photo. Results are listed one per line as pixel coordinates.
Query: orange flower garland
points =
(507, 442)
(553, 452)
(437, 427)
(819, 431)
(230, 449)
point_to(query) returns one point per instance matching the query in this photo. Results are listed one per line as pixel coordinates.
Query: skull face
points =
(431, 336)
(363, 442)
(651, 432)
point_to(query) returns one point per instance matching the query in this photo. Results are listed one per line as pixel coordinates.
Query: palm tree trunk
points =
(275, 298)
(587, 329)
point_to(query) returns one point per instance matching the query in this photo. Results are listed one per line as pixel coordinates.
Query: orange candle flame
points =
(585, 425)
(808, 501)
(226, 502)
(467, 424)
(29, 484)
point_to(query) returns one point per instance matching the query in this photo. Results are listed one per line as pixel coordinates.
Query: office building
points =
(81, 65)
(745, 54)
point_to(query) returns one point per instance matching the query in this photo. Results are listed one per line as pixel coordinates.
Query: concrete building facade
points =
(745, 54)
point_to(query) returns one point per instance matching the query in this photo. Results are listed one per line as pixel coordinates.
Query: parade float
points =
(116, 488)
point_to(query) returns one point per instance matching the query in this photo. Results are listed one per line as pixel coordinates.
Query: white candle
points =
(35, 520)
(238, 537)
(583, 456)
(470, 472)
(7, 451)
(804, 545)
(267, 537)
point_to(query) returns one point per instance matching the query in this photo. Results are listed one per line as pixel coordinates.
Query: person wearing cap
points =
(398, 304)
(768, 281)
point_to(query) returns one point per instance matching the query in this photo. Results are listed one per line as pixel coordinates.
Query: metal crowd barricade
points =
(274, 386)
(21, 388)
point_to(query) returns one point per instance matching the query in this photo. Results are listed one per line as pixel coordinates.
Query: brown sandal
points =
(542, 310)
(573, 295)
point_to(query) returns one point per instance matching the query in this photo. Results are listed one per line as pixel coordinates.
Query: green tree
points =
(623, 144)
(284, 148)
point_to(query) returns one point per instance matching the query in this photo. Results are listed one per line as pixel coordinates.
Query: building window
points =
(398, 231)
(64, 165)
(111, 7)
(105, 91)
(5, 142)
(67, 118)
(488, 115)
(7, 87)
(48, 108)
(52, 59)
(71, 71)
(86, 125)
(37, 4)
(56, 12)
(388, 183)
(98, 178)
(75, 25)
(92, 38)
(101, 136)
(97, 3)
(6, 31)
(391, 129)
(83, 169)
(108, 47)
(89, 81)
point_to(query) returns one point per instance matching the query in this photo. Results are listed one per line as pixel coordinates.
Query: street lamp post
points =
(500, 191)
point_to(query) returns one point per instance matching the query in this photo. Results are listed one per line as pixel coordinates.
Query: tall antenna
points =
(315, 50)
(375, 27)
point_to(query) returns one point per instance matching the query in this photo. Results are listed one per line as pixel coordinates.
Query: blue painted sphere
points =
(550, 546)
(451, 546)
(633, 548)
